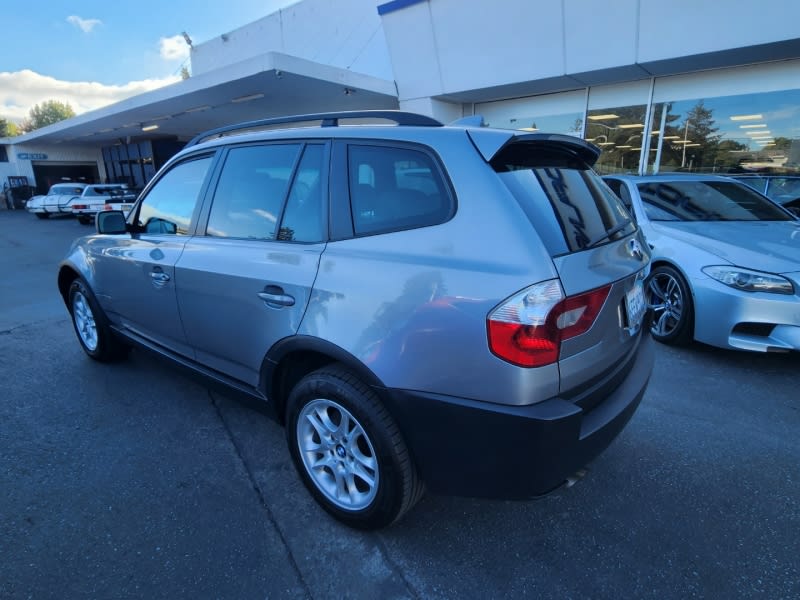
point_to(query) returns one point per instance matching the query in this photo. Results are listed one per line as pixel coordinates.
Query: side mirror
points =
(111, 222)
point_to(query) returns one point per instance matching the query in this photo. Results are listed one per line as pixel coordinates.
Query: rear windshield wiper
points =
(609, 232)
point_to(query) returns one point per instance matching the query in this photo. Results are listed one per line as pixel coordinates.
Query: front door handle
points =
(159, 277)
(276, 300)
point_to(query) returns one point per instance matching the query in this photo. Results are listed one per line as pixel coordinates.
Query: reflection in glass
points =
(748, 133)
(619, 133)
(568, 123)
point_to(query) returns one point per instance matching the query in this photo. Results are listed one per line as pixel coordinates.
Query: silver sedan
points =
(726, 261)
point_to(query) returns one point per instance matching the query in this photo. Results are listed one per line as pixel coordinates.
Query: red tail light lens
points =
(528, 328)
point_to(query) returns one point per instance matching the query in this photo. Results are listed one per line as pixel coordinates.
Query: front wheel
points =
(349, 451)
(671, 302)
(91, 325)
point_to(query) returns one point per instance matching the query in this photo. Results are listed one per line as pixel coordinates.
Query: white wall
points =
(340, 33)
(441, 47)
(55, 154)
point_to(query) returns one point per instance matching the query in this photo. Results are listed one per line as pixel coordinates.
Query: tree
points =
(46, 113)
(698, 128)
(7, 128)
(185, 73)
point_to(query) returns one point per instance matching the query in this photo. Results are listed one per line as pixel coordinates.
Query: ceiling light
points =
(632, 126)
(684, 142)
(759, 133)
(752, 126)
(149, 127)
(197, 109)
(529, 129)
(606, 144)
(747, 117)
(626, 146)
(655, 132)
(695, 144)
(602, 117)
(248, 98)
(671, 137)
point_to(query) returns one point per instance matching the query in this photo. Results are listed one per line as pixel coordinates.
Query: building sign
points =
(31, 156)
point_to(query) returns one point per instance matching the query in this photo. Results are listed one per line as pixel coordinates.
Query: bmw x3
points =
(455, 309)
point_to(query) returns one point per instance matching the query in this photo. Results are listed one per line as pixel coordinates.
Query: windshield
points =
(706, 201)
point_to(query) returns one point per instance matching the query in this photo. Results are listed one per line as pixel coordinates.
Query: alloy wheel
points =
(337, 454)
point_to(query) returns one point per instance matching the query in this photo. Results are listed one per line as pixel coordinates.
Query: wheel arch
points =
(66, 275)
(292, 358)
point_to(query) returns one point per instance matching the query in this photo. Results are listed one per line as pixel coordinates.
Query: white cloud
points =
(20, 90)
(85, 25)
(173, 48)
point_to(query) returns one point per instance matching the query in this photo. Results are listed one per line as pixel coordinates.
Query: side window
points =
(251, 190)
(302, 220)
(394, 188)
(169, 205)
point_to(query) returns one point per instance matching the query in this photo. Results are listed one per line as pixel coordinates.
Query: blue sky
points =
(121, 48)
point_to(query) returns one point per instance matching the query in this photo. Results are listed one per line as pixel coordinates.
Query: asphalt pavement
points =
(132, 481)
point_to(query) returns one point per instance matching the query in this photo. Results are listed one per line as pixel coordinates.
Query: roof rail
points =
(328, 120)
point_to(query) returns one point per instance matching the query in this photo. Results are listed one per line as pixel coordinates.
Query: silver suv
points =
(457, 309)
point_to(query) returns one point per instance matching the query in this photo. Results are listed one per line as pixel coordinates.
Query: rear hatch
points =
(596, 248)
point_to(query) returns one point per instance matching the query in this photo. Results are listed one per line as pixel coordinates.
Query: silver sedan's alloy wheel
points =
(84, 321)
(667, 303)
(337, 454)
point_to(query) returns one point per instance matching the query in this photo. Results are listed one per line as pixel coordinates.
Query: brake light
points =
(80, 206)
(528, 328)
(107, 207)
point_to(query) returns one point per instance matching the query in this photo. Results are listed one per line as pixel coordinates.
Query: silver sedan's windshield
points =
(706, 201)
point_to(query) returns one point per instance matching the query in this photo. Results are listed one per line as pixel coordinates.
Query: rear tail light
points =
(528, 328)
(107, 207)
(80, 206)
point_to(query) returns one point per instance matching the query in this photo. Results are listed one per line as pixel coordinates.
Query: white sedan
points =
(56, 201)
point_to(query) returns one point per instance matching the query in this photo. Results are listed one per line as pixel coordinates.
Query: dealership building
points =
(693, 85)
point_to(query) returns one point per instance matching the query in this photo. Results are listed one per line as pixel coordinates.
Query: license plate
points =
(634, 299)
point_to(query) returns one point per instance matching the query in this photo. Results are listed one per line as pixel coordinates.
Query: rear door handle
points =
(276, 300)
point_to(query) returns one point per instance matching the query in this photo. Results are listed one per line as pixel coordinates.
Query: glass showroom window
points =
(616, 123)
(748, 133)
(550, 113)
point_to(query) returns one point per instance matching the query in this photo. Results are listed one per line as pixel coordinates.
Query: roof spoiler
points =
(490, 142)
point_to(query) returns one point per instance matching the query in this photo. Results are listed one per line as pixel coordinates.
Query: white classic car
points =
(98, 197)
(56, 201)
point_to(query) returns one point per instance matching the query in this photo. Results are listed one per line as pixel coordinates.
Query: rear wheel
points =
(349, 451)
(91, 325)
(671, 302)
(42, 215)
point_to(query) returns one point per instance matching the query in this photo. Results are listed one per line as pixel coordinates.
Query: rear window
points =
(570, 206)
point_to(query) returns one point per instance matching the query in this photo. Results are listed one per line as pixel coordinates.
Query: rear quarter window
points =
(395, 188)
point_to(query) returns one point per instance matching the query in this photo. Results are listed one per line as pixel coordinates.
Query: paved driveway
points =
(131, 481)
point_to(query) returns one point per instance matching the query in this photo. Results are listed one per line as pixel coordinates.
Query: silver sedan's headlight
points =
(750, 281)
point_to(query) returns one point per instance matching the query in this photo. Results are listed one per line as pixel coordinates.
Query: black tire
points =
(85, 220)
(91, 325)
(42, 215)
(335, 392)
(670, 299)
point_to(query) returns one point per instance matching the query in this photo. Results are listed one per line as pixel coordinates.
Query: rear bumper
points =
(468, 448)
